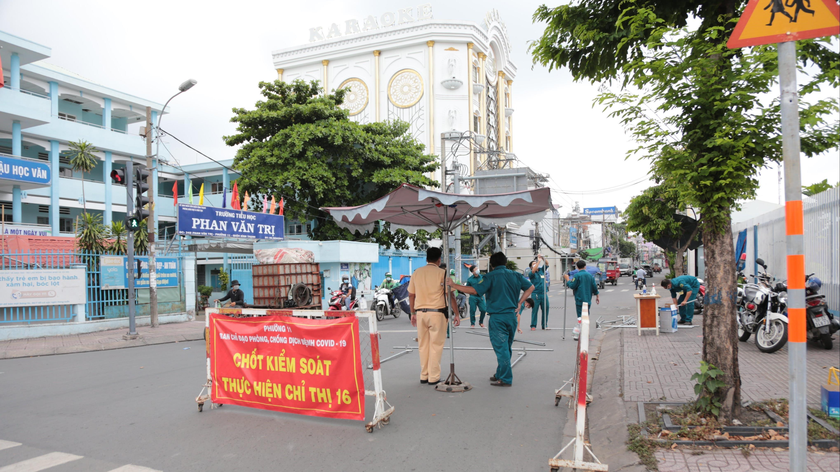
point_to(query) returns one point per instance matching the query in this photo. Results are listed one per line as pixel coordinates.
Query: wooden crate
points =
(273, 281)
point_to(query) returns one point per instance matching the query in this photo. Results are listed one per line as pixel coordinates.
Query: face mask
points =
(475, 272)
(236, 287)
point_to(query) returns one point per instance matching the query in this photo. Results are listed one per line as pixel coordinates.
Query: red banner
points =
(288, 364)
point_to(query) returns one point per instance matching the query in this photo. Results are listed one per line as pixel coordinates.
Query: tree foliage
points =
(82, 160)
(651, 214)
(819, 187)
(297, 143)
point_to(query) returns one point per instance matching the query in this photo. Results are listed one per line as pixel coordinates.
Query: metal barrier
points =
(100, 304)
(766, 240)
(369, 349)
(580, 399)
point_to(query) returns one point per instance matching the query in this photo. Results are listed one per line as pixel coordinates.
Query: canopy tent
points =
(413, 208)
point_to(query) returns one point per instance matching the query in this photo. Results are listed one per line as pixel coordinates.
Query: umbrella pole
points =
(565, 302)
(452, 382)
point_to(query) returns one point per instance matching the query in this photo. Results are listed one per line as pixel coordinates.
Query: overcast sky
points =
(148, 48)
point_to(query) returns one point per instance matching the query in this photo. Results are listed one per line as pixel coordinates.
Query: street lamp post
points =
(152, 229)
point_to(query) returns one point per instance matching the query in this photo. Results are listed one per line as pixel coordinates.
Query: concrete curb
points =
(140, 341)
(40, 330)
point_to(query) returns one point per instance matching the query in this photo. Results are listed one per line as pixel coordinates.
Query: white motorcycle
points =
(383, 306)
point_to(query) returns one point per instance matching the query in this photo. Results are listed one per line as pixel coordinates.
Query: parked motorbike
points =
(383, 304)
(337, 303)
(698, 304)
(821, 323)
(762, 310)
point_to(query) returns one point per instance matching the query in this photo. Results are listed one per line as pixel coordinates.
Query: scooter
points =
(337, 302)
(762, 310)
(821, 323)
(383, 305)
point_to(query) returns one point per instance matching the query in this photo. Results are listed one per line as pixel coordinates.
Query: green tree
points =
(119, 235)
(300, 144)
(711, 131)
(651, 214)
(82, 160)
(91, 233)
(141, 238)
(819, 187)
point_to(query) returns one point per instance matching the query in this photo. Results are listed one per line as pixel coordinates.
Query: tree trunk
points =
(720, 338)
(84, 200)
(679, 262)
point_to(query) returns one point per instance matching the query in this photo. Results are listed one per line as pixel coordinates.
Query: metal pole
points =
(129, 209)
(152, 229)
(565, 302)
(794, 221)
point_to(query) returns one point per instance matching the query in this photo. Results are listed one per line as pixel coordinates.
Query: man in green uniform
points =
(475, 300)
(690, 287)
(390, 284)
(584, 286)
(537, 277)
(502, 287)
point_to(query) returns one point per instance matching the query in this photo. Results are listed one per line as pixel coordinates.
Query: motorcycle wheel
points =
(773, 341)
(826, 342)
(743, 335)
(380, 313)
(397, 312)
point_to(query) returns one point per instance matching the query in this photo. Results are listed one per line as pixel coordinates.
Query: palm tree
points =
(91, 233)
(118, 232)
(141, 238)
(82, 160)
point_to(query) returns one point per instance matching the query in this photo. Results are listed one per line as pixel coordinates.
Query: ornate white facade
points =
(438, 76)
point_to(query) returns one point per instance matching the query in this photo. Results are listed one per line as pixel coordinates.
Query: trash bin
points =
(665, 323)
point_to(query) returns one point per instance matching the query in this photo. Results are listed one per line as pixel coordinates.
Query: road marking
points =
(133, 468)
(625, 290)
(610, 290)
(41, 462)
(7, 444)
(397, 330)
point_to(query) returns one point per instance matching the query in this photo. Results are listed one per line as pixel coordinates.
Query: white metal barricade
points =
(580, 399)
(369, 355)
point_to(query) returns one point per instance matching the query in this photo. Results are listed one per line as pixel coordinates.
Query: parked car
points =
(625, 269)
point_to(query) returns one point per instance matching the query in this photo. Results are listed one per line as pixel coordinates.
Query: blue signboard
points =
(21, 170)
(115, 272)
(195, 220)
(600, 211)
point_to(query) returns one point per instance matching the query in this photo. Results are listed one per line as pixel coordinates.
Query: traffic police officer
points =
(690, 286)
(502, 287)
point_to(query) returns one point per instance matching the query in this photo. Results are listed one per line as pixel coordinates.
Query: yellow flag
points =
(201, 195)
(246, 201)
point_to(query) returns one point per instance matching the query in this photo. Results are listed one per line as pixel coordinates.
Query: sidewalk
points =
(632, 368)
(101, 340)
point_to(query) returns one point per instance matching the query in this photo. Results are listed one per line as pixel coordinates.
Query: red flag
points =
(175, 192)
(234, 197)
(1, 74)
(282, 204)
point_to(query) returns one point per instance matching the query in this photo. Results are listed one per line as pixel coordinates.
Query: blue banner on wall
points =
(20, 170)
(115, 272)
(195, 220)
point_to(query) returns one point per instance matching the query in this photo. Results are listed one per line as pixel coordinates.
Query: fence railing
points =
(101, 304)
(766, 240)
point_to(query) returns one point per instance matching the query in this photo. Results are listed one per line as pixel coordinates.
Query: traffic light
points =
(132, 223)
(141, 176)
(118, 176)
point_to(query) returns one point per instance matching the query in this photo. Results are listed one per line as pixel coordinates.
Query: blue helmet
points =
(814, 284)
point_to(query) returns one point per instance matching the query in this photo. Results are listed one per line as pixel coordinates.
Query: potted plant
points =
(205, 292)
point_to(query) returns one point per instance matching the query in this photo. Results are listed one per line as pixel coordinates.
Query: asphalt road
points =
(137, 406)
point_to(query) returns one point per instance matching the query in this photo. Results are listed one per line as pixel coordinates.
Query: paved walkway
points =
(732, 460)
(650, 367)
(101, 340)
(662, 366)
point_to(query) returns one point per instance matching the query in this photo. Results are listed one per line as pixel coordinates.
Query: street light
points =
(153, 312)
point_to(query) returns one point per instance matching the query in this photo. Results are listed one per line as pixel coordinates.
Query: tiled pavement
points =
(654, 367)
(732, 460)
(101, 340)
(661, 366)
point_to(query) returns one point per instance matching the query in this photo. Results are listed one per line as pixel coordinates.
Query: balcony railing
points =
(34, 94)
(65, 118)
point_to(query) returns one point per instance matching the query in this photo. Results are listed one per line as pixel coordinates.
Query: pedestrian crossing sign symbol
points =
(779, 21)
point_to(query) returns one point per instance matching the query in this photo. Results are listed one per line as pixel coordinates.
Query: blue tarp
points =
(740, 248)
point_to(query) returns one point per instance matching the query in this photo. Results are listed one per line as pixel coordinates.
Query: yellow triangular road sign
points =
(778, 21)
